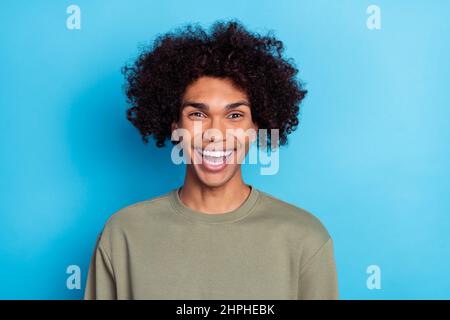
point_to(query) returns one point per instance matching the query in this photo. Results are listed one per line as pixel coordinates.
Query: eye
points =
(235, 115)
(196, 114)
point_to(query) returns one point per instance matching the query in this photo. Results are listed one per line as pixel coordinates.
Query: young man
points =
(215, 237)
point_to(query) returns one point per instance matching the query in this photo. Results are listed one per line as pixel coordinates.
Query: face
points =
(217, 116)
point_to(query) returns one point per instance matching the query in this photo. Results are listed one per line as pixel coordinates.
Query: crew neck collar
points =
(227, 217)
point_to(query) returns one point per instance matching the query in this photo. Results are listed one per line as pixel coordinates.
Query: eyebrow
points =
(203, 106)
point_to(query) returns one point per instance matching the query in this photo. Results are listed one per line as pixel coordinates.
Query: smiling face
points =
(218, 118)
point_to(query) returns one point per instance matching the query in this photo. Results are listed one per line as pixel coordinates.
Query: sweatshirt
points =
(162, 249)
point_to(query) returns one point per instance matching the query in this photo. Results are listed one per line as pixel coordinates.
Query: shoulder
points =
(306, 226)
(133, 217)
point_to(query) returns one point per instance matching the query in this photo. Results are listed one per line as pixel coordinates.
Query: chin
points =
(216, 179)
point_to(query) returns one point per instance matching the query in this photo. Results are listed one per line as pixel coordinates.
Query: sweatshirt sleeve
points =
(318, 276)
(100, 284)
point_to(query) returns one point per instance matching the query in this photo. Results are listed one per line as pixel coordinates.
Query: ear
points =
(174, 126)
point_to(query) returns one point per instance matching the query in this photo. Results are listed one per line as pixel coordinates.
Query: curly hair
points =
(156, 81)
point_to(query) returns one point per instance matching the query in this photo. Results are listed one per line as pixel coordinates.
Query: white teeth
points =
(214, 161)
(216, 154)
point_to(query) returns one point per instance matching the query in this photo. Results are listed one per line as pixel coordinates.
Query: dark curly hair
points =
(156, 81)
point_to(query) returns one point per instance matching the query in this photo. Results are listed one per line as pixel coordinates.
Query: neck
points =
(216, 199)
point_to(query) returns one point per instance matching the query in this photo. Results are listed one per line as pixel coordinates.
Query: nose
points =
(215, 131)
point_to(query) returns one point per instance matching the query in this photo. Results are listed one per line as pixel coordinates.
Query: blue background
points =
(370, 159)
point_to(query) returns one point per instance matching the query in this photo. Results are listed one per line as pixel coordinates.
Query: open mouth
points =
(215, 160)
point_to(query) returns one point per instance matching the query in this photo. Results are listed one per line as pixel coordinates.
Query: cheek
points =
(240, 143)
(244, 139)
(191, 133)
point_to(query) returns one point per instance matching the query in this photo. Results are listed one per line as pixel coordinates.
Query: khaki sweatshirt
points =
(162, 249)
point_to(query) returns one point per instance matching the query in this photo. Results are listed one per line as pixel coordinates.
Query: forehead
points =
(211, 88)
